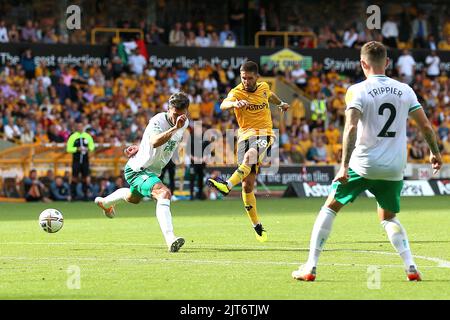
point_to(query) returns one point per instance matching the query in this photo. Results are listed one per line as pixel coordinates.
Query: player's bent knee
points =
(248, 188)
(165, 194)
(251, 157)
(162, 193)
(132, 199)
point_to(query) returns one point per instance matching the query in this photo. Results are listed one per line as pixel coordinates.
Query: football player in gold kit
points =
(250, 101)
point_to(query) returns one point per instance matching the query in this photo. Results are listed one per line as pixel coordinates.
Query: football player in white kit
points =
(161, 138)
(374, 154)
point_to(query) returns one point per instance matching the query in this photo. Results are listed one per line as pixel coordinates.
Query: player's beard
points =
(252, 88)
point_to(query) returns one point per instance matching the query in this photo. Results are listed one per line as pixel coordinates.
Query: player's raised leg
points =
(250, 157)
(162, 195)
(249, 199)
(108, 203)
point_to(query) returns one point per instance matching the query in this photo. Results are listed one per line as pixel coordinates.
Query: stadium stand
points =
(40, 105)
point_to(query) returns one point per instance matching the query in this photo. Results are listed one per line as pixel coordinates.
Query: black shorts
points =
(262, 145)
(80, 168)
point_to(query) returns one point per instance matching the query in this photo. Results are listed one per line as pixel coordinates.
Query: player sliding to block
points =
(374, 156)
(250, 101)
(161, 138)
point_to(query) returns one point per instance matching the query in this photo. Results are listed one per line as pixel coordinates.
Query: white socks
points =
(116, 197)
(399, 240)
(165, 219)
(319, 235)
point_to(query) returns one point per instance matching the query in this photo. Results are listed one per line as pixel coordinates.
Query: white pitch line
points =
(441, 262)
(197, 261)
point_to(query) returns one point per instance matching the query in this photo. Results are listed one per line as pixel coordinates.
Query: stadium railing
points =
(116, 31)
(285, 35)
(20, 159)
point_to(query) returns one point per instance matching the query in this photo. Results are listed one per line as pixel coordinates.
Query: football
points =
(51, 220)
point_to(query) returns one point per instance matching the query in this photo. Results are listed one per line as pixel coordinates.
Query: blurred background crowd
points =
(115, 102)
(233, 23)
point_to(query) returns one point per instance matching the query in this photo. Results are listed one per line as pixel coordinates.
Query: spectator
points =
(215, 42)
(416, 152)
(62, 90)
(28, 135)
(29, 32)
(202, 40)
(38, 31)
(298, 76)
(406, 66)
(54, 134)
(350, 37)
(230, 42)
(13, 34)
(50, 37)
(332, 134)
(116, 60)
(3, 32)
(318, 109)
(191, 39)
(445, 44)
(188, 28)
(12, 131)
(431, 43)
(59, 190)
(390, 32)
(86, 193)
(433, 65)
(176, 36)
(210, 84)
(34, 189)
(419, 31)
(28, 64)
(80, 143)
(318, 152)
(137, 63)
(297, 109)
(47, 180)
(227, 34)
(154, 35)
(106, 187)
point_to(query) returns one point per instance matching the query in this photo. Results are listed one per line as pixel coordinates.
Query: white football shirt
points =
(385, 103)
(155, 159)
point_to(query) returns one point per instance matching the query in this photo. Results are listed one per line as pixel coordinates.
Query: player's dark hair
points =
(179, 101)
(249, 66)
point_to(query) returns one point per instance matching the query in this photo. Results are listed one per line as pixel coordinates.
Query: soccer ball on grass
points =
(51, 220)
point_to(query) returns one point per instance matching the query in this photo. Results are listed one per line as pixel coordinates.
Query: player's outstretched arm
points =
(426, 128)
(352, 117)
(232, 103)
(283, 106)
(161, 138)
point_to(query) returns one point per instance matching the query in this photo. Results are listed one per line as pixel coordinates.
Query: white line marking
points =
(197, 261)
(441, 263)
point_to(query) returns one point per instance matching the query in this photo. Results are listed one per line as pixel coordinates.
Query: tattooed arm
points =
(352, 117)
(425, 127)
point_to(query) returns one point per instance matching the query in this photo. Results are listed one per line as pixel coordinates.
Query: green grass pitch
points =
(125, 257)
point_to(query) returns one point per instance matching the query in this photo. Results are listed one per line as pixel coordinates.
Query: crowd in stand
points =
(405, 28)
(114, 102)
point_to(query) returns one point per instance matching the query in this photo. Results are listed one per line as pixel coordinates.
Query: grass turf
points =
(125, 257)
